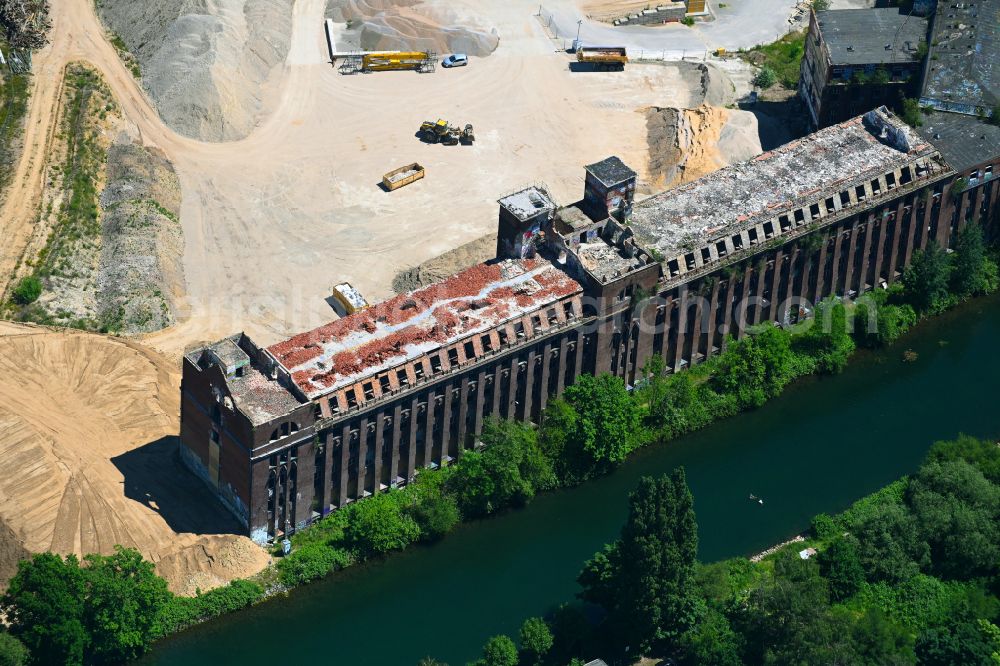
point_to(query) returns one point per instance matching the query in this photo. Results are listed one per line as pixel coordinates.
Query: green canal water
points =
(817, 448)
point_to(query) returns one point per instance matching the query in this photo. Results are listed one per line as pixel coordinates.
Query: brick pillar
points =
(924, 229)
(866, 253)
(497, 379)
(727, 310)
(429, 429)
(836, 274)
(883, 229)
(510, 412)
(326, 437)
(480, 401)
(362, 455)
(897, 234)
(772, 310)
(820, 292)
(446, 439)
(394, 452)
(682, 303)
(758, 310)
(742, 321)
(463, 417)
(561, 367)
(543, 393)
(851, 252)
(345, 459)
(696, 332)
(529, 387)
(644, 350)
(411, 453)
(379, 434)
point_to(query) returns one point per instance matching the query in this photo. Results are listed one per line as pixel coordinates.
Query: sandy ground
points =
(87, 427)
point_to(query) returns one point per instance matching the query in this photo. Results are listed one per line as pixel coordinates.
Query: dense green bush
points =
(765, 78)
(27, 290)
(508, 472)
(310, 562)
(379, 524)
(180, 612)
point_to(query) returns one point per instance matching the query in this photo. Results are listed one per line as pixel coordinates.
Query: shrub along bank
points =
(587, 432)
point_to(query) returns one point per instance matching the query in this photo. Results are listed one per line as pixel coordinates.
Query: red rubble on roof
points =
(479, 298)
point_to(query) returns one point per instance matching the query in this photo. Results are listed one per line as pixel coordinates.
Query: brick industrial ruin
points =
(291, 432)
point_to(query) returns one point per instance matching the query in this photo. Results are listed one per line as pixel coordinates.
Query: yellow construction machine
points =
(388, 61)
(442, 132)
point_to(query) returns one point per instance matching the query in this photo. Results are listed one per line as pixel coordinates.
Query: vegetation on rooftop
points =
(781, 57)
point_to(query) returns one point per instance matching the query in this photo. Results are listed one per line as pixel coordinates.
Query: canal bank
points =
(824, 443)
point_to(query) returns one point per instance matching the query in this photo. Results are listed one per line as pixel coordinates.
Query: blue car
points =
(455, 60)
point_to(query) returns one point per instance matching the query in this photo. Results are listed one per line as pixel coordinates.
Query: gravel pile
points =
(142, 243)
(204, 62)
(409, 25)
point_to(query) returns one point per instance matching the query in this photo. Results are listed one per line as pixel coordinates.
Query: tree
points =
(599, 577)
(558, 427)
(44, 606)
(434, 510)
(536, 640)
(756, 368)
(828, 341)
(926, 279)
(377, 525)
(889, 546)
(973, 273)
(499, 651)
(646, 579)
(12, 651)
(711, 641)
(508, 472)
(27, 290)
(840, 565)
(983, 454)
(607, 423)
(571, 633)
(958, 642)
(879, 323)
(785, 619)
(957, 512)
(875, 639)
(124, 596)
(674, 403)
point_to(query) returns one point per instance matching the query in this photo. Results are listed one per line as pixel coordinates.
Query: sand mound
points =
(686, 144)
(203, 62)
(87, 428)
(407, 25)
